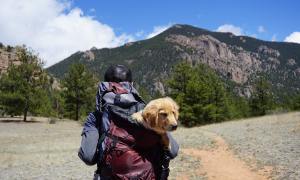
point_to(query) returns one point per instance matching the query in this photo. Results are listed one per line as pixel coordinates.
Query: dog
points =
(159, 115)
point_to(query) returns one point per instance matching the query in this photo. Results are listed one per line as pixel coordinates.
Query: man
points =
(121, 148)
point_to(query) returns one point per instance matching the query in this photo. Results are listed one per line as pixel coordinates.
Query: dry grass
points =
(39, 150)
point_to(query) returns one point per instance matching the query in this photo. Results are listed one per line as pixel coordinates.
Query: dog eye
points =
(163, 114)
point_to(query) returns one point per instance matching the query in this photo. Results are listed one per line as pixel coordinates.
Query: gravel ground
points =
(271, 140)
(185, 166)
(41, 151)
(49, 151)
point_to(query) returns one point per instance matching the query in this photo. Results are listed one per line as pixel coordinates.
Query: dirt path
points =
(220, 163)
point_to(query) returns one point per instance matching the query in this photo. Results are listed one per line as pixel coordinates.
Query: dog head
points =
(161, 114)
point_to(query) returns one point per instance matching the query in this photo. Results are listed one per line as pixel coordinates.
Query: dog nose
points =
(174, 127)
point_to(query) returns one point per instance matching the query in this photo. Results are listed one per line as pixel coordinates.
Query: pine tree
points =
(239, 107)
(180, 76)
(262, 98)
(296, 102)
(22, 87)
(200, 93)
(78, 90)
(215, 104)
(144, 93)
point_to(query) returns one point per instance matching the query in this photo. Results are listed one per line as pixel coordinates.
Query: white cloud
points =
(54, 29)
(261, 29)
(274, 37)
(293, 37)
(230, 28)
(157, 30)
(253, 35)
(139, 33)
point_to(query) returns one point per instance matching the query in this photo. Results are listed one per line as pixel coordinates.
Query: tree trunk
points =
(25, 110)
(77, 104)
(77, 111)
(25, 113)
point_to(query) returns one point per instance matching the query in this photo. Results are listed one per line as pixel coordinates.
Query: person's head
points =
(118, 73)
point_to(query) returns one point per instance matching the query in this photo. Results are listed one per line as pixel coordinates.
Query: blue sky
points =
(55, 29)
(277, 19)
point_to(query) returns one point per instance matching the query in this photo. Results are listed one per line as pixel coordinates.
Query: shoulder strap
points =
(102, 133)
(98, 115)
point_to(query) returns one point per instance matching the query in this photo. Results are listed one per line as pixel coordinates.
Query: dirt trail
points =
(220, 163)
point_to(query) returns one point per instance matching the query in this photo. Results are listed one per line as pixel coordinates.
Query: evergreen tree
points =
(296, 102)
(239, 106)
(144, 93)
(22, 88)
(200, 94)
(181, 75)
(262, 98)
(78, 91)
(57, 103)
(56, 99)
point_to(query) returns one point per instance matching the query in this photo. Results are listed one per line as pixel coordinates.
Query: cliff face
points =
(231, 61)
(239, 60)
(7, 57)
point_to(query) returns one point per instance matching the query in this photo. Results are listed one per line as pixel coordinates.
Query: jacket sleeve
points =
(174, 146)
(89, 141)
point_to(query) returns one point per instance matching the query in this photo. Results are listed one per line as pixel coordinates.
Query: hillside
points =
(239, 60)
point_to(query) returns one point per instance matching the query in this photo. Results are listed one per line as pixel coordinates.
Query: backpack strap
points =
(116, 139)
(98, 115)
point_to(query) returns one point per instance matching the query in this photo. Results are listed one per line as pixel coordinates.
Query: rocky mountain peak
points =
(237, 59)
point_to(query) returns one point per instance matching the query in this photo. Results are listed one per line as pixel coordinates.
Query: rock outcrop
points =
(231, 61)
(89, 55)
(8, 56)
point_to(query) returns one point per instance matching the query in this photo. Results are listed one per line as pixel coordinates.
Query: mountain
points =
(239, 60)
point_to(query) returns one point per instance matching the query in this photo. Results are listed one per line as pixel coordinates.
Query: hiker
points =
(121, 148)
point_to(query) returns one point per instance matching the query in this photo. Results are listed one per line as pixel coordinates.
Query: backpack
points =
(126, 150)
(121, 94)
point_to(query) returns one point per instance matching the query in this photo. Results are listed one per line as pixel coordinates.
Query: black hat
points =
(118, 73)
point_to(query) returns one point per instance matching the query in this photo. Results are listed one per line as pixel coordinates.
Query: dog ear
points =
(175, 105)
(150, 115)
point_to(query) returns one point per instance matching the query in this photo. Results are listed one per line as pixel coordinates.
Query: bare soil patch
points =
(220, 163)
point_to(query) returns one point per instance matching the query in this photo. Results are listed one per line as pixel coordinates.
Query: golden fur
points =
(160, 115)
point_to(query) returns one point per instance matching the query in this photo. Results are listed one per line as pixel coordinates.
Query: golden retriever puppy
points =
(160, 115)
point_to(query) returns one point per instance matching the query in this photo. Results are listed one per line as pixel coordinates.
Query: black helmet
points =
(118, 73)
